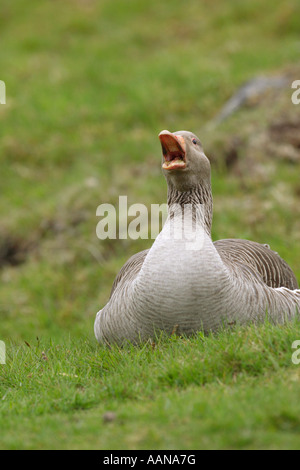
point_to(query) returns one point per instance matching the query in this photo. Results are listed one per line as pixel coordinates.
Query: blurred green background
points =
(89, 87)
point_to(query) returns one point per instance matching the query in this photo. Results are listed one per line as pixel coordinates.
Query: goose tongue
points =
(174, 151)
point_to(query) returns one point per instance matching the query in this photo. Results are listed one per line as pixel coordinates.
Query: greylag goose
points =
(187, 282)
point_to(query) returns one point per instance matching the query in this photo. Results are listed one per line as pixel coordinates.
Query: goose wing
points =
(129, 270)
(274, 271)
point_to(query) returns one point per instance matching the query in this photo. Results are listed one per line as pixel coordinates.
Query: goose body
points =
(187, 282)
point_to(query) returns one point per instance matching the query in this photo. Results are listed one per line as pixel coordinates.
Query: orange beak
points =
(174, 151)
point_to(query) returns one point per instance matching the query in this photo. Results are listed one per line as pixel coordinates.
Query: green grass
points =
(238, 389)
(89, 87)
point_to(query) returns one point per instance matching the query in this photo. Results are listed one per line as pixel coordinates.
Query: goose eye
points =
(194, 141)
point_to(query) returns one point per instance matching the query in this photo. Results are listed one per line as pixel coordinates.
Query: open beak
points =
(174, 151)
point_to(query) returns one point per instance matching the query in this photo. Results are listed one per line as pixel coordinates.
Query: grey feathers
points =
(206, 287)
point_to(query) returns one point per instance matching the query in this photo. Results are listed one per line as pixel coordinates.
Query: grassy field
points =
(89, 87)
(234, 390)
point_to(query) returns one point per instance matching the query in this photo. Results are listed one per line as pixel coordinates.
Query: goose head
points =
(184, 163)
